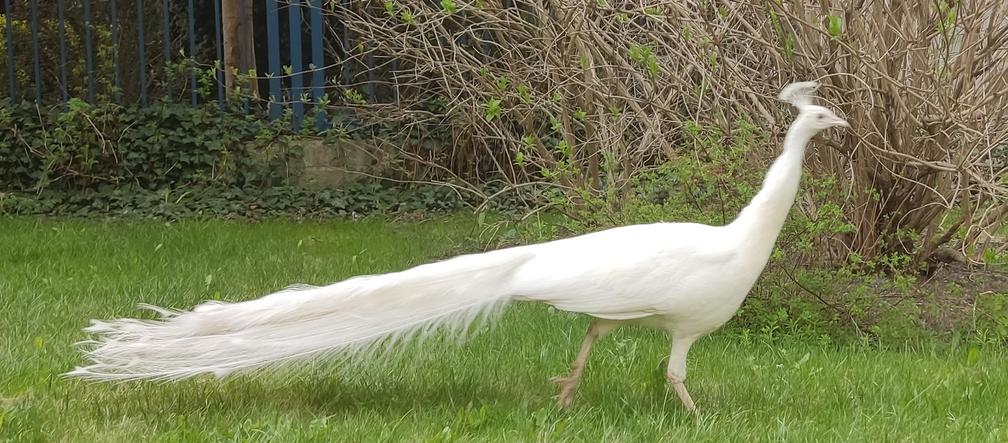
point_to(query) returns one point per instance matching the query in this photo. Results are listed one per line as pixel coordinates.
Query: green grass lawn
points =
(56, 275)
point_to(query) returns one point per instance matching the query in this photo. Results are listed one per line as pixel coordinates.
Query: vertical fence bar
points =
(296, 64)
(192, 51)
(246, 57)
(114, 16)
(64, 87)
(345, 67)
(370, 64)
(219, 65)
(88, 56)
(273, 47)
(166, 24)
(141, 53)
(11, 78)
(318, 63)
(395, 81)
(35, 51)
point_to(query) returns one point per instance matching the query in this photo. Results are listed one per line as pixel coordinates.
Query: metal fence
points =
(136, 52)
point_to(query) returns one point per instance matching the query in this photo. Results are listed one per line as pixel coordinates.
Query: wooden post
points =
(239, 48)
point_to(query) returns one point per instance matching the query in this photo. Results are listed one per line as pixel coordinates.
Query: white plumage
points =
(685, 278)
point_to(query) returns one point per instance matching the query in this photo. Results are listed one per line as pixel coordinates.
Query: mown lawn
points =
(55, 275)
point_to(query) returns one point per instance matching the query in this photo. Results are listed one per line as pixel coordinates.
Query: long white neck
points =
(761, 221)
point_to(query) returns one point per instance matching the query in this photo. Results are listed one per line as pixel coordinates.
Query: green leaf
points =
(972, 356)
(580, 114)
(555, 125)
(524, 93)
(449, 6)
(493, 110)
(563, 148)
(519, 158)
(615, 112)
(834, 26)
(406, 16)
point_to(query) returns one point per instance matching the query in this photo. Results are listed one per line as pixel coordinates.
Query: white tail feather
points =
(348, 319)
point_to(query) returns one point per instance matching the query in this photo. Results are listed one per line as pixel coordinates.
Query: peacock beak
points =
(841, 122)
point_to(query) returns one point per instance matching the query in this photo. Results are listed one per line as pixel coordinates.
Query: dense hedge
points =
(175, 160)
(288, 201)
(83, 147)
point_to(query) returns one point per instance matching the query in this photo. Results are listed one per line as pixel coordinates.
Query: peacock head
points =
(811, 116)
(820, 118)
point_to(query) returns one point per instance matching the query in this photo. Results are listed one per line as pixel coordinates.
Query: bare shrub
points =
(926, 85)
(583, 95)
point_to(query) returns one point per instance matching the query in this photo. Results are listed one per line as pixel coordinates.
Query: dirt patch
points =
(948, 298)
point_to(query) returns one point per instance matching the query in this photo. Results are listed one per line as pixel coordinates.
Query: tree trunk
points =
(239, 48)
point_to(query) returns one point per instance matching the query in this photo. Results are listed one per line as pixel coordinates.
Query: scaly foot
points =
(568, 387)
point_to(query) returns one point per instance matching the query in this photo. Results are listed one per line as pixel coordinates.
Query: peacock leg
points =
(569, 384)
(676, 374)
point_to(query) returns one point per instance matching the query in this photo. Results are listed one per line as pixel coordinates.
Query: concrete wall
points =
(332, 163)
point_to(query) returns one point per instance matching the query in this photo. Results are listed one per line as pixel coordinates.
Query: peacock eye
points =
(819, 116)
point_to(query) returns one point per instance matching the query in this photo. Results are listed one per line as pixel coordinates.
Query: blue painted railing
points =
(92, 32)
(141, 54)
(35, 50)
(318, 61)
(64, 91)
(273, 47)
(88, 53)
(219, 46)
(11, 77)
(114, 17)
(297, 83)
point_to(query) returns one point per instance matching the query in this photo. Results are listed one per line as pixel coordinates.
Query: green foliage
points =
(777, 308)
(350, 200)
(177, 161)
(407, 16)
(449, 6)
(49, 56)
(493, 110)
(162, 146)
(991, 318)
(710, 186)
(524, 92)
(834, 26)
(354, 96)
(946, 15)
(645, 56)
(502, 83)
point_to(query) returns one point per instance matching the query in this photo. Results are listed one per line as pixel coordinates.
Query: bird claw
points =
(565, 401)
(568, 387)
(566, 397)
